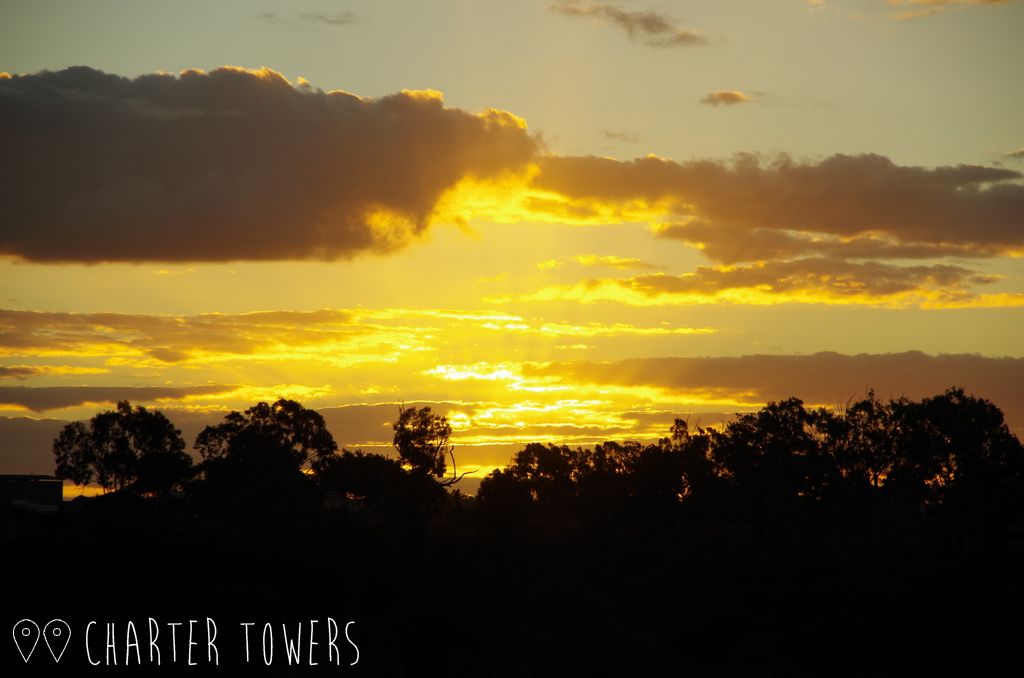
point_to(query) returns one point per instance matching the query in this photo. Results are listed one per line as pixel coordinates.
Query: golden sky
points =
(565, 221)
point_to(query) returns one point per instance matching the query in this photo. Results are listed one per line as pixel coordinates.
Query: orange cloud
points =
(599, 260)
(912, 9)
(725, 97)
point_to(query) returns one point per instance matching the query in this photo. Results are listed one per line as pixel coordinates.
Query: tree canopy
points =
(421, 439)
(123, 449)
(952, 451)
(284, 433)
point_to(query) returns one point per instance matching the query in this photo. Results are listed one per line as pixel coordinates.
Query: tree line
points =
(951, 453)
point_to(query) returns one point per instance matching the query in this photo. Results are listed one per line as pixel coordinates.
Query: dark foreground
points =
(626, 597)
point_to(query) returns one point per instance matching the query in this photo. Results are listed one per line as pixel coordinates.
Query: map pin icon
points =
(26, 637)
(57, 635)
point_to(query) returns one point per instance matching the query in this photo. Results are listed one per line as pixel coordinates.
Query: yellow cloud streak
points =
(762, 295)
(245, 396)
(514, 199)
(57, 370)
(507, 377)
(355, 338)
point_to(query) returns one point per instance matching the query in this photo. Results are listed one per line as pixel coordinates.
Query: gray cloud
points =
(42, 398)
(229, 165)
(647, 27)
(786, 205)
(17, 372)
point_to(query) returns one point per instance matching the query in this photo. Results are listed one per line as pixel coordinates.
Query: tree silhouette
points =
(374, 478)
(958, 452)
(503, 500)
(254, 460)
(549, 471)
(125, 449)
(601, 478)
(775, 457)
(421, 439)
(863, 440)
(656, 477)
(699, 475)
(284, 433)
(74, 454)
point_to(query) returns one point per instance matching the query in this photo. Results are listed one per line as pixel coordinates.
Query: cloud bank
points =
(956, 209)
(244, 165)
(229, 165)
(42, 398)
(778, 229)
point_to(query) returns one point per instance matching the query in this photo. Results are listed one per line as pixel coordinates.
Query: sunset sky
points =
(567, 221)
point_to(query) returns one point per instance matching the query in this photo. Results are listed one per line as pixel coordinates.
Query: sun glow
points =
(514, 198)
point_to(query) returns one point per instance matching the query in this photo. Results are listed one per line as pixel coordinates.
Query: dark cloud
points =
(725, 97)
(42, 398)
(229, 165)
(827, 378)
(1016, 155)
(17, 372)
(650, 28)
(962, 210)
